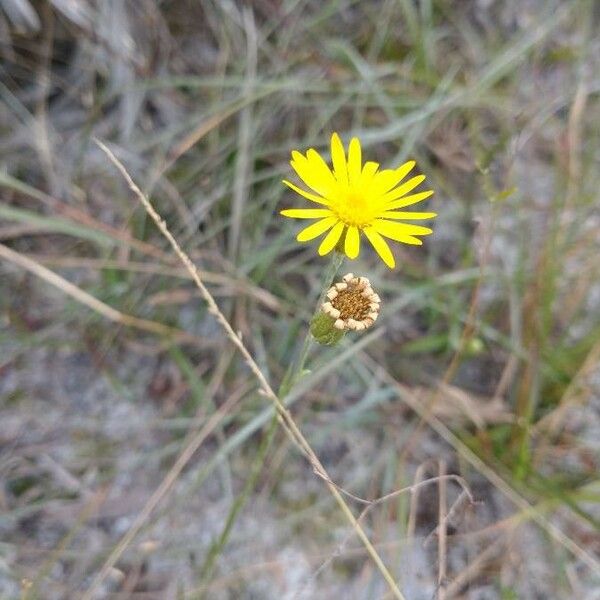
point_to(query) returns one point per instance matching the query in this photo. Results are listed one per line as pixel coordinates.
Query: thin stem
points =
(217, 546)
(337, 258)
(295, 371)
(290, 426)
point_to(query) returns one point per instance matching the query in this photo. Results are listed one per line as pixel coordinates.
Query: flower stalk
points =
(294, 373)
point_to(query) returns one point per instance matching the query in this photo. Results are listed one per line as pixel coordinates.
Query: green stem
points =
(293, 374)
(291, 377)
(217, 546)
(296, 369)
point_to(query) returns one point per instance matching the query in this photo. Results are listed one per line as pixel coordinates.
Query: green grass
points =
(497, 105)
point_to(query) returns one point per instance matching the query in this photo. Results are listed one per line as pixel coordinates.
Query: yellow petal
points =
(322, 171)
(403, 170)
(338, 158)
(312, 174)
(331, 239)
(408, 200)
(306, 194)
(306, 213)
(354, 161)
(380, 246)
(352, 242)
(387, 179)
(402, 190)
(401, 232)
(316, 229)
(368, 171)
(407, 216)
(382, 182)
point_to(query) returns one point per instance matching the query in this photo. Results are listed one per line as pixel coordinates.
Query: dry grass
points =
(139, 456)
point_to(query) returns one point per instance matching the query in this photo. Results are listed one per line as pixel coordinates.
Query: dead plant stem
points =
(286, 419)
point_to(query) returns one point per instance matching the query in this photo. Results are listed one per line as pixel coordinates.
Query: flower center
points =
(352, 304)
(353, 209)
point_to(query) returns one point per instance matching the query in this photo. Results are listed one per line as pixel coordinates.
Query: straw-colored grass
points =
(149, 313)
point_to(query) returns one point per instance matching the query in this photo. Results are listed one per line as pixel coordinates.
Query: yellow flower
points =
(357, 198)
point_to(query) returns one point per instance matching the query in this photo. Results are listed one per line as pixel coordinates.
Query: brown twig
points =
(405, 394)
(285, 417)
(413, 489)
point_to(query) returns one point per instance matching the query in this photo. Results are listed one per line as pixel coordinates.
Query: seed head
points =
(352, 303)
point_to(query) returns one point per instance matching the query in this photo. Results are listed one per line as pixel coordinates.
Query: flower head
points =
(356, 198)
(352, 303)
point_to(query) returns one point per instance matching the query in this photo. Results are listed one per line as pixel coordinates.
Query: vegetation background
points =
(484, 364)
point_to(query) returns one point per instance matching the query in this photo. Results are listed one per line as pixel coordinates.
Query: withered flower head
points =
(352, 303)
